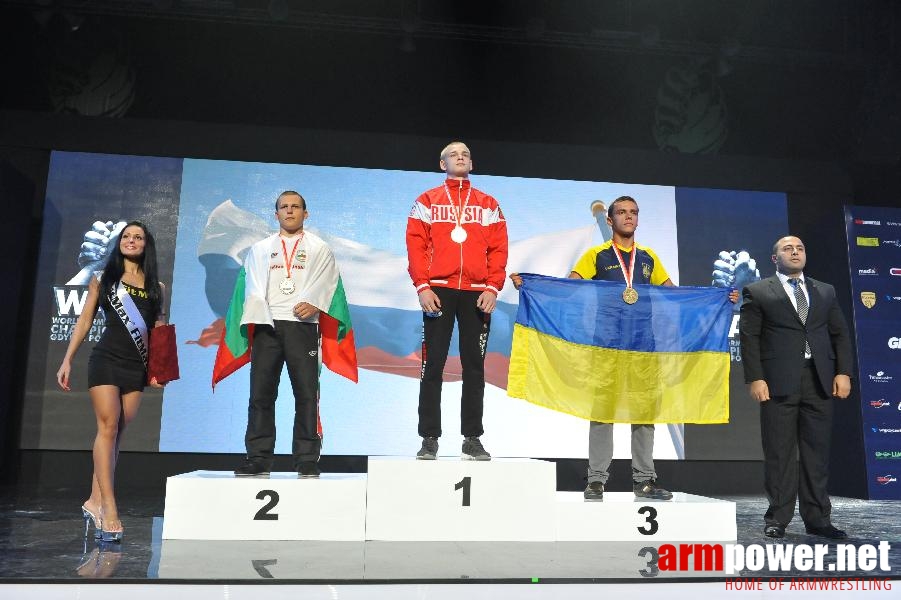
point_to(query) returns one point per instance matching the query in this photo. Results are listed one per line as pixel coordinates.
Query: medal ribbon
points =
(627, 275)
(459, 207)
(290, 260)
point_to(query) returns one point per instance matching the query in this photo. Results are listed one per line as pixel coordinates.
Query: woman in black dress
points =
(131, 296)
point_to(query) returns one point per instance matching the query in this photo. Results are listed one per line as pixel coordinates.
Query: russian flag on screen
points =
(388, 320)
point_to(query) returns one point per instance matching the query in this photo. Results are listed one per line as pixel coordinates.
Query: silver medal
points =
(286, 286)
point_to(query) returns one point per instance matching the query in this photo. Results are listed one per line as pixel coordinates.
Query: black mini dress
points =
(115, 359)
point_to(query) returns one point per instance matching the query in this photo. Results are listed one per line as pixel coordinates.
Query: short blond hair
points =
(446, 148)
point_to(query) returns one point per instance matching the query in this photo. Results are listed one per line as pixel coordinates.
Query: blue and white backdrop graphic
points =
(205, 215)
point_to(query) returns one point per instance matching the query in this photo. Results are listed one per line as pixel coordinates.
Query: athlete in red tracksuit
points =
(457, 250)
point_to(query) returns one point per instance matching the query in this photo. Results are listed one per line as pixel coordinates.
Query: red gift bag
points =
(162, 359)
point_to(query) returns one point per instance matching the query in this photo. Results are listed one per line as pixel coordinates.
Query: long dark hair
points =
(115, 267)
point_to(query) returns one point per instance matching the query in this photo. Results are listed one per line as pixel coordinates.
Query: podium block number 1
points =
(464, 484)
(263, 514)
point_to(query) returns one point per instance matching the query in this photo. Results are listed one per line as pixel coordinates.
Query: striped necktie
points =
(801, 301)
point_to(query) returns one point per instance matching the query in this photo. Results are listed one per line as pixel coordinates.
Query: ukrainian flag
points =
(579, 349)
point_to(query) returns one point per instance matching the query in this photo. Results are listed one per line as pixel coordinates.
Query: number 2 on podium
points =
(264, 513)
(464, 484)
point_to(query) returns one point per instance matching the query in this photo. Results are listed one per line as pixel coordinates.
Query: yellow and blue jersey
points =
(600, 263)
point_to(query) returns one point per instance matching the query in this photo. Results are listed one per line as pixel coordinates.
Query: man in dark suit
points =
(796, 353)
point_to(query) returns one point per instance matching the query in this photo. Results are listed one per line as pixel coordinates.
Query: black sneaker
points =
(650, 489)
(473, 449)
(429, 450)
(252, 468)
(308, 470)
(594, 492)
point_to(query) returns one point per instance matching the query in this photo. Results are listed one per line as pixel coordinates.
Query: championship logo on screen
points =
(879, 403)
(879, 377)
(864, 222)
(886, 479)
(894, 343)
(869, 271)
(868, 299)
(868, 241)
(69, 299)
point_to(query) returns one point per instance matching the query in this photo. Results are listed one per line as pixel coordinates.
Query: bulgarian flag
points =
(338, 351)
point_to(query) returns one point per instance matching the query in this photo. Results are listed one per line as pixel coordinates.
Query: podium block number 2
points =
(263, 514)
(464, 484)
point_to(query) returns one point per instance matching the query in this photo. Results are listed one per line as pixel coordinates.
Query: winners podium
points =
(403, 499)
(216, 505)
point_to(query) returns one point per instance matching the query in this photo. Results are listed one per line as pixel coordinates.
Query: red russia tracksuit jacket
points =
(479, 263)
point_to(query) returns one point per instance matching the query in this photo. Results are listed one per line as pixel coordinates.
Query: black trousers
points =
(796, 432)
(296, 344)
(473, 326)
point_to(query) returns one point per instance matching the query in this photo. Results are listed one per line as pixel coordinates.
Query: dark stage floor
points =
(41, 539)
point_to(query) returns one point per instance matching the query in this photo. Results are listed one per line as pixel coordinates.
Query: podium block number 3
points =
(264, 513)
(650, 520)
(464, 484)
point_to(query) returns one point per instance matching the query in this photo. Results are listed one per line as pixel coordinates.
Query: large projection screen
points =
(206, 213)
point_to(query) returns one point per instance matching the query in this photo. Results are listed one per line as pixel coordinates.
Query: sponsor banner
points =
(887, 455)
(874, 263)
(868, 299)
(880, 403)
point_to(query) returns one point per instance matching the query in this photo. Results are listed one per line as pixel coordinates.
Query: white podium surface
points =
(216, 505)
(621, 517)
(450, 499)
(446, 500)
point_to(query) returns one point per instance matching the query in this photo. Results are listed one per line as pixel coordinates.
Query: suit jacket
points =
(772, 336)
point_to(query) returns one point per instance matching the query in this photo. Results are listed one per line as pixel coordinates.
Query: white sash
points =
(131, 317)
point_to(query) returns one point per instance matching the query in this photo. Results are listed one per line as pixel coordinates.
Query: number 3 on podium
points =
(650, 520)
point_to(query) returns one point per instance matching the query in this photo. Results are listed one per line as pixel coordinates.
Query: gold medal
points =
(458, 234)
(630, 296)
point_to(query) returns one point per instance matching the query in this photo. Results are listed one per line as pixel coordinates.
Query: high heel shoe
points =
(88, 517)
(111, 536)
